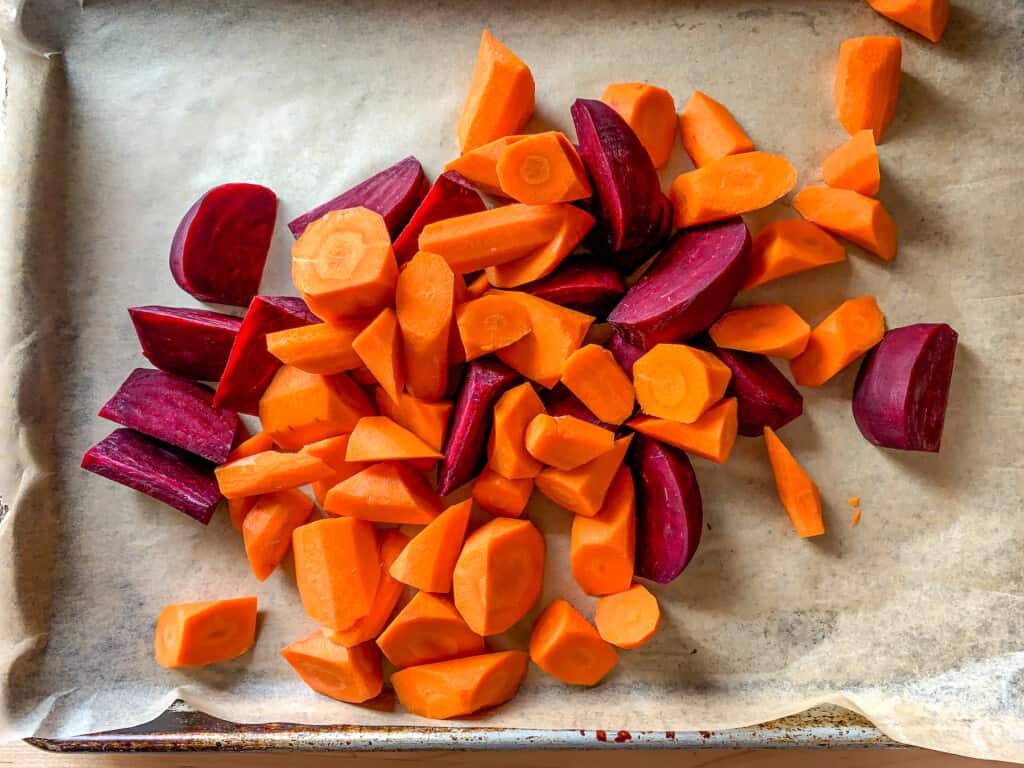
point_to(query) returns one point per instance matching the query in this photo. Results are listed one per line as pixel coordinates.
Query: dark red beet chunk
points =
(174, 477)
(221, 245)
(625, 354)
(250, 366)
(559, 401)
(450, 196)
(394, 193)
(585, 284)
(902, 389)
(764, 396)
(189, 342)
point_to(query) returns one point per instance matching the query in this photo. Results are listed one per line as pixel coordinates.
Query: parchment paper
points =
(914, 618)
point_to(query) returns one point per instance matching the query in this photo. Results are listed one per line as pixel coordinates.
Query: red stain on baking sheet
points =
(602, 736)
(622, 736)
(705, 734)
(670, 734)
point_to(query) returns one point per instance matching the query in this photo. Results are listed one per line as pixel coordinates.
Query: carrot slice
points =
(593, 375)
(926, 17)
(490, 323)
(267, 530)
(347, 674)
(480, 165)
(542, 168)
(797, 492)
(426, 630)
(730, 186)
(769, 329)
(628, 619)
(318, 348)
(567, 647)
(500, 496)
(460, 687)
(854, 327)
(677, 382)
(602, 547)
(860, 219)
(429, 559)
(332, 450)
(379, 347)
(546, 259)
(854, 165)
(711, 436)
(512, 415)
(478, 287)
(363, 377)
(425, 302)
(197, 634)
(267, 472)
(867, 83)
(378, 438)
(501, 95)
(787, 247)
(710, 132)
(650, 112)
(343, 265)
(385, 493)
(566, 442)
(428, 420)
(239, 507)
(583, 490)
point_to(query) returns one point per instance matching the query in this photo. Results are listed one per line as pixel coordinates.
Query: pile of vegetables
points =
(443, 340)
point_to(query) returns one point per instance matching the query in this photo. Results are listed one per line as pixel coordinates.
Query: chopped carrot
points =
(378, 438)
(460, 687)
(501, 95)
(854, 165)
(677, 382)
(710, 132)
(425, 302)
(566, 442)
(379, 346)
(500, 496)
(317, 348)
(429, 559)
(853, 501)
(567, 647)
(583, 490)
(854, 327)
(267, 472)
(343, 265)
(239, 507)
(593, 375)
(478, 287)
(650, 112)
(388, 492)
(197, 634)
(855, 519)
(787, 247)
(337, 569)
(426, 419)
(480, 166)
(499, 574)
(797, 492)
(490, 323)
(363, 376)
(768, 329)
(602, 547)
(351, 674)
(543, 261)
(711, 436)
(730, 186)
(426, 630)
(860, 219)
(512, 415)
(926, 17)
(628, 619)
(267, 530)
(332, 450)
(299, 407)
(867, 83)
(543, 168)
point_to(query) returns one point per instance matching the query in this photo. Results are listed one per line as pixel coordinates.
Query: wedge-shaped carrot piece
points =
(567, 647)
(460, 687)
(378, 438)
(628, 619)
(332, 450)
(854, 165)
(426, 419)
(710, 132)
(787, 247)
(542, 168)
(583, 490)
(500, 496)
(860, 219)
(196, 634)
(479, 240)
(711, 436)
(480, 165)
(239, 507)
(678, 382)
(593, 375)
(267, 472)
(478, 287)
(546, 259)
(429, 559)
(426, 630)
(602, 547)
(926, 17)
(854, 327)
(490, 323)
(867, 83)
(797, 492)
(730, 186)
(267, 530)
(770, 329)
(379, 348)
(318, 348)
(566, 442)
(346, 674)
(499, 574)
(343, 265)
(512, 415)
(650, 112)
(385, 493)
(363, 377)
(501, 95)
(337, 569)
(425, 302)
(299, 407)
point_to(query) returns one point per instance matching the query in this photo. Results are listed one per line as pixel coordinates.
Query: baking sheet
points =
(914, 618)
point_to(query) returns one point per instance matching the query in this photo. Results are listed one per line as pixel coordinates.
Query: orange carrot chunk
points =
(860, 219)
(385, 493)
(378, 438)
(542, 168)
(425, 302)
(197, 634)
(267, 530)
(318, 348)
(628, 619)
(566, 442)
(239, 507)
(593, 375)
(852, 329)
(711, 436)
(429, 559)
(730, 186)
(797, 492)
(512, 415)
(500, 496)
(351, 674)
(460, 687)
(677, 382)
(480, 166)
(426, 419)
(854, 165)
(787, 247)
(769, 329)
(267, 472)
(650, 112)
(867, 83)
(332, 450)
(501, 95)
(379, 347)
(583, 490)
(567, 647)
(855, 519)
(477, 288)
(490, 323)
(710, 132)
(426, 630)
(853, 501)
(602, 547)
(926, 17)
(542, 262)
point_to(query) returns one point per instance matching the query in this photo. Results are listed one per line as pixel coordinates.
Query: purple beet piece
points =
(451, 195)
(174, 410)
(174, 477)
(189, 342)
(585, 284)
(465, 449)
(635, 214)
(669, 512)
(691, 283)
(902, 389)
(250, 366)
(559, 401)
(624, 353)
(394, 193)
(221, 245)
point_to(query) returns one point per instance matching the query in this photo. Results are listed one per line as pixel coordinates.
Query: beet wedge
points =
(451, 195)
(585, 284)
(194, 343)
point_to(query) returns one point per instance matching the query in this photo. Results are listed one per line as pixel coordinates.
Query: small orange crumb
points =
(853, 501)
(856, 517)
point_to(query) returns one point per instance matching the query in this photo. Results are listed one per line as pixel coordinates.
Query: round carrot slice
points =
(628, 619)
